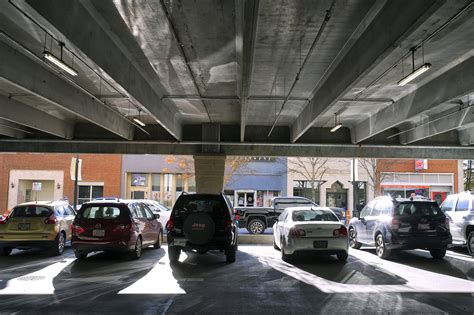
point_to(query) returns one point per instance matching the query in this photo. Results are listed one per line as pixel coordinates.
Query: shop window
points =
(139, 180)
(192, 186)
(179, 183)
(89, 193)
(302, 188)
(156, 182)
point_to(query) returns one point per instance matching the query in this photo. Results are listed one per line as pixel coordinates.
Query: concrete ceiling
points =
(239, 77)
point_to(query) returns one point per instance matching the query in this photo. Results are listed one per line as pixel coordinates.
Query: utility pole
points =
(76, 171)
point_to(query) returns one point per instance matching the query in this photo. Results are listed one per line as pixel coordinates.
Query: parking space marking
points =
(38, 282)
(418, 280)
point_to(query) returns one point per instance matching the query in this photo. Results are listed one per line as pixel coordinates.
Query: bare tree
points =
(235, 167)
(375, 174)
(310, 169)
(468, 171)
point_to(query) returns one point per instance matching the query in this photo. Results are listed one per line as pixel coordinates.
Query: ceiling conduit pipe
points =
(313, 45)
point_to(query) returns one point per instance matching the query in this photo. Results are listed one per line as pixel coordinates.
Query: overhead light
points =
(336, 124)
(336, 127)
(138, 121)
(414, 74)
(58, 62)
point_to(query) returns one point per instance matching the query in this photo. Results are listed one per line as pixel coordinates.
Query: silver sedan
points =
(315, 229)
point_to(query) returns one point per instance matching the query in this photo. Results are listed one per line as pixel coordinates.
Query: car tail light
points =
(228, 225)
(342, 231)
(77, 229)
(237, 217)
(51, 220)
(170, 225)
(3, 220)
(122, 228)
(395, 224)
(297, 232)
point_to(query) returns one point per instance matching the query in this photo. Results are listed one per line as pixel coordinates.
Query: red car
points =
(119, 226)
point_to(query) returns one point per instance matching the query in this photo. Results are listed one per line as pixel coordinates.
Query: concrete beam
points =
(11, 132)
(460, 119)
(456, 82)
(246, 20)
(28, 116)
(466, 137)
(98, 30)
(192, 148)
(370, 49)
(24, 73)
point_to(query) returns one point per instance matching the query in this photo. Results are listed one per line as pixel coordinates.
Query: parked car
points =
(37, 224)
(314, 229)
(459, 208)
(340, 213)
(202, 222)
(392, 224)
(258, 219)
(158, 208)
(118, 226)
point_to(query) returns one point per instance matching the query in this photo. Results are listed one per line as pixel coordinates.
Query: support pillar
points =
(209, 172)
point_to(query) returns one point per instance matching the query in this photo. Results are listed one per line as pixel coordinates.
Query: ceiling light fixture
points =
(336, 124)
(415, 73)
(138, 121)
(59, 61)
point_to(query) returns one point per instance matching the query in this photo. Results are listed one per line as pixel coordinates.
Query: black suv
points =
(202, 222)
(401, 224)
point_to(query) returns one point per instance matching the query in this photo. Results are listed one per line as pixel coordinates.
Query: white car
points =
(160, 209)
(317, 229)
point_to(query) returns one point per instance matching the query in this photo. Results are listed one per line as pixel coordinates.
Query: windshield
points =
(418, 208)
(200, 203)
(313, 215)
(31, 211)
(100, 212)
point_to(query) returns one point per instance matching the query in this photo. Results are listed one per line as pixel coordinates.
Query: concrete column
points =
(209, 172)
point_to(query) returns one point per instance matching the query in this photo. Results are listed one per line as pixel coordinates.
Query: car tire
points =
(285, 257)
(230, 253)
(159, 241)
(470, 243)
(137, 251)
(6, 251)
(353, 243)
(438, 253)
(275, 245)
(174, 252)
(256, 226)
(381, 247)
(59, 244)
(80, 255)
(342, 256)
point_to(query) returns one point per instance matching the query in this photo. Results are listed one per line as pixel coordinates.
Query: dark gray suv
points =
(202, 222)
(390, 224)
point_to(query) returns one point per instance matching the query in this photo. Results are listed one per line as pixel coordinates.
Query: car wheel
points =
(159, 241)
(353, 239)
(80, 255)
(275, 245)
(59, 244)
(380, 247)
(342, 256)
(256, 226)
(5, 251)
(438, 253)
(137, 251)
(173, 253)
(284, 256)
(470, 243)
(230, 253)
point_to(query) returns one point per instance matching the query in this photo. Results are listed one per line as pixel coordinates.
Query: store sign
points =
(36, 186)
(421, 165)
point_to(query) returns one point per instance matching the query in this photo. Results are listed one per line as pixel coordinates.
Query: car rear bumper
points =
(305, 244)
(115, 246)
(412, 242)
(216, 243)
(27, 244)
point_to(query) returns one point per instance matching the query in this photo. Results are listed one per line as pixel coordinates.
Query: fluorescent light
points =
(138, 121)
(58, 62)
(414, 74)
(336, 127)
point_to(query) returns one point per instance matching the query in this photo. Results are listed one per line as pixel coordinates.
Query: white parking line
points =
(38, 282)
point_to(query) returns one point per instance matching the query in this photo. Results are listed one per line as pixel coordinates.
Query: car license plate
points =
(179, 242)
(98, 233)
(423, 226)
(320, 244)
(23, 226)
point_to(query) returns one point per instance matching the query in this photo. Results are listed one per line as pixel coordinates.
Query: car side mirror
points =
(157, 216)
(356, 214)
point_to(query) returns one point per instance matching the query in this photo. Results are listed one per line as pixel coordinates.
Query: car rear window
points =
(418, 208)
(200, 203)
(31, 211)
(313, 215)
(100, 212)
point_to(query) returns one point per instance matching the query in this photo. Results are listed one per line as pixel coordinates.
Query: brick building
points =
(32, 176)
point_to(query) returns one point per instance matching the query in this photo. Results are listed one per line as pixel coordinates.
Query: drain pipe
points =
(313, 45)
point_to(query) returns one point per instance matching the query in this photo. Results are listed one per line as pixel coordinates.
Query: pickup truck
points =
(258, 219)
